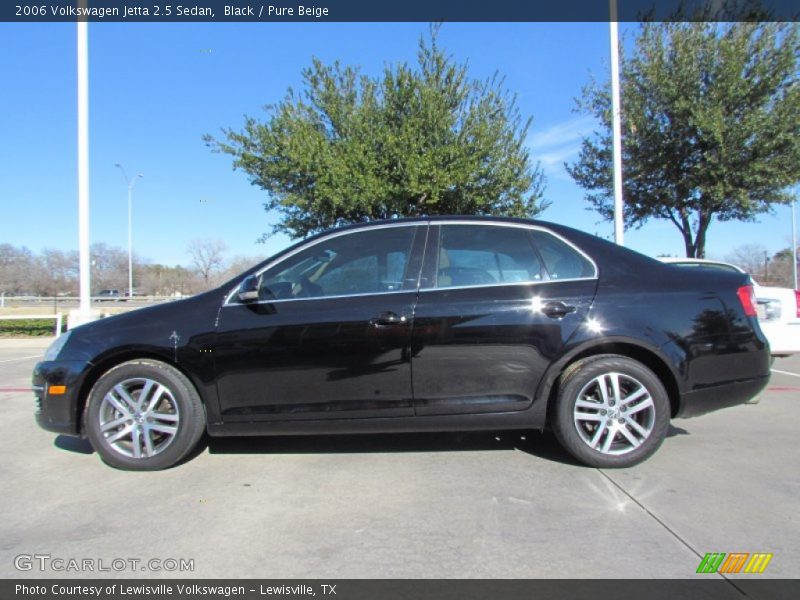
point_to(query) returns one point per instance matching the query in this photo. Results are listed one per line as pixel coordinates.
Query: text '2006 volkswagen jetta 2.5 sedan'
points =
(435, 324)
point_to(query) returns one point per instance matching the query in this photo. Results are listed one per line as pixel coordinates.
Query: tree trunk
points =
(688, 244)
(686, 230)
(700, 241)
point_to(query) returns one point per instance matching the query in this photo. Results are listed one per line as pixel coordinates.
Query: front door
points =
(329, 335)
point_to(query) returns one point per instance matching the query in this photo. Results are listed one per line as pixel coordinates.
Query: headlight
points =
(56, 346)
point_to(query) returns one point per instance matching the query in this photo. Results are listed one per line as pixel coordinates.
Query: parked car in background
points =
(106, 295)
(778, 308)
(430, 324)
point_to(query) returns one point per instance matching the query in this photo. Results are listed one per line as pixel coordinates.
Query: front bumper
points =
(59, 412)
(707, 399)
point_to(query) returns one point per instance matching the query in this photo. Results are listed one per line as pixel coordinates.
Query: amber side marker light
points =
(57, 390)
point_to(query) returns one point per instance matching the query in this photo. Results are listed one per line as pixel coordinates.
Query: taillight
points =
(747, 297)
(797, 302)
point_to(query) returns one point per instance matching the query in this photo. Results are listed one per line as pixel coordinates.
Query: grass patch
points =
(30, 327)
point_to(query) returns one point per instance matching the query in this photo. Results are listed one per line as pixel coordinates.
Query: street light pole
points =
(619, 227)
(85, 310)
(130, 183)
(794, 243)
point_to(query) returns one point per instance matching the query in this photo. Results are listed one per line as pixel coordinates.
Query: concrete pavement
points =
(494, 505)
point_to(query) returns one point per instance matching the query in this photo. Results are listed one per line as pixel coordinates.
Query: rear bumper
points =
(704, 400)
(58, 412)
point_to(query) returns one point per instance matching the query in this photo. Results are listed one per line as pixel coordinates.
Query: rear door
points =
(496, 305)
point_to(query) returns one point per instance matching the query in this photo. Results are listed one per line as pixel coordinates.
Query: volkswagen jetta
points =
(434, 324)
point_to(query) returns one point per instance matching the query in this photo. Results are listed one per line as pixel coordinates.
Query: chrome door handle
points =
(387, 319)
(557, 309)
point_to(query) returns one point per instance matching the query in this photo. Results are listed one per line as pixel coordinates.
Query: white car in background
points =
(778, 308)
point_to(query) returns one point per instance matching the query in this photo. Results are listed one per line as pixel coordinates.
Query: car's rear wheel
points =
(144, 415)
(612, 411)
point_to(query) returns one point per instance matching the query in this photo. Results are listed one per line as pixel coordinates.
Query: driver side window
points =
(362, 262)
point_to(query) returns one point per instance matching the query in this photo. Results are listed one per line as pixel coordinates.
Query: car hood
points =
(153, 329)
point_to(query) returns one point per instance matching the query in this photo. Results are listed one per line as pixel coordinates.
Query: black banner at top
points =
(277, 11)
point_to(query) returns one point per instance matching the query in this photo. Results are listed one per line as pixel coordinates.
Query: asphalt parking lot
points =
(493, 505)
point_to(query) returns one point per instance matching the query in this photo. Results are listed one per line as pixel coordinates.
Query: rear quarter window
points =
(561, 260)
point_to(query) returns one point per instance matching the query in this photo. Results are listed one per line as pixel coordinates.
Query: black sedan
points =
(435, 324)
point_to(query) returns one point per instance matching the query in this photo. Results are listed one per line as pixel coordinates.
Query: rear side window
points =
(561, 260)
(472, 255)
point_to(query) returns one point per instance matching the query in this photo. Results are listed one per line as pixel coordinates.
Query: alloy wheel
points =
(614, 413)
(139, 417)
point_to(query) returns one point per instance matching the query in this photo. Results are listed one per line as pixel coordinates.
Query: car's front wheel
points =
(612, 411)
(144, 415)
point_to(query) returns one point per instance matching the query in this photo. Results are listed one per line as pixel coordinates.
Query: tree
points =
(711, 126)
(751, 258)
(207, 256)
(16, 267)
(781, 268)
(238, 264)
(161, 280)
(767, 270)
(415, 141)
(109, 267)
(56, 272)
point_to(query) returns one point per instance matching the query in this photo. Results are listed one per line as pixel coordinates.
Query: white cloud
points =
(560, 133)
(559, 142)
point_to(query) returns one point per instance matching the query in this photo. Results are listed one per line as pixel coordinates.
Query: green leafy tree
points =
(415, 141)
(711, 126)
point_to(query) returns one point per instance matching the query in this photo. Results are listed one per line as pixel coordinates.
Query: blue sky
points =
(155, 89)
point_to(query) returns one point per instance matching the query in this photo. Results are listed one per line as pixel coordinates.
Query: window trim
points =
(534, 248)
(230, 298)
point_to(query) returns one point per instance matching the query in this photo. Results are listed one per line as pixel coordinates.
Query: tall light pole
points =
(619, 227)
(130, 183)
(794, 243)
(85, 310)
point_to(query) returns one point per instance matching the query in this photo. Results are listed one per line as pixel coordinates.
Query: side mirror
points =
(248, 289)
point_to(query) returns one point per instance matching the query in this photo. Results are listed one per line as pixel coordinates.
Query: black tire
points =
(593, 432)
(173, 425)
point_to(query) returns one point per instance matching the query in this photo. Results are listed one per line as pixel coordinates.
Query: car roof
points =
(441, 218)
(436, 219)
